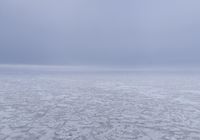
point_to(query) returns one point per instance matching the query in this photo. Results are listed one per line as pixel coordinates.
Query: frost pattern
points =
(99, 106)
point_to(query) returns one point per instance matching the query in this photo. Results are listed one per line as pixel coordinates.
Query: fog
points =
(106, 32)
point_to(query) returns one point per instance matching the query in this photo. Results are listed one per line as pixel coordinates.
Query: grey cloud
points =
(110, 32)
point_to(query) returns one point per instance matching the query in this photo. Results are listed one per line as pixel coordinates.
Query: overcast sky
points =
(105, 32)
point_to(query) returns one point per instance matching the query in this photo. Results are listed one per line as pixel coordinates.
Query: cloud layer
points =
(112, 32)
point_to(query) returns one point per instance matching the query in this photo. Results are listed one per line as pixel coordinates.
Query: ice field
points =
(38, 103)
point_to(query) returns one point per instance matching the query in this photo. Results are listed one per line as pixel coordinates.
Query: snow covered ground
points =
(54, 104)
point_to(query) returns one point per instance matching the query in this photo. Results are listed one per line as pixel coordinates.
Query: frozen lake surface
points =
(50, 103)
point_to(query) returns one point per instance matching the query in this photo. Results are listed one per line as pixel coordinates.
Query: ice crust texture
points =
(59, 105)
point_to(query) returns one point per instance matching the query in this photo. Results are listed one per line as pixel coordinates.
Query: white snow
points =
(53, 104)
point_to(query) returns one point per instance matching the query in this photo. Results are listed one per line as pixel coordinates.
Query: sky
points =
(100, 32)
